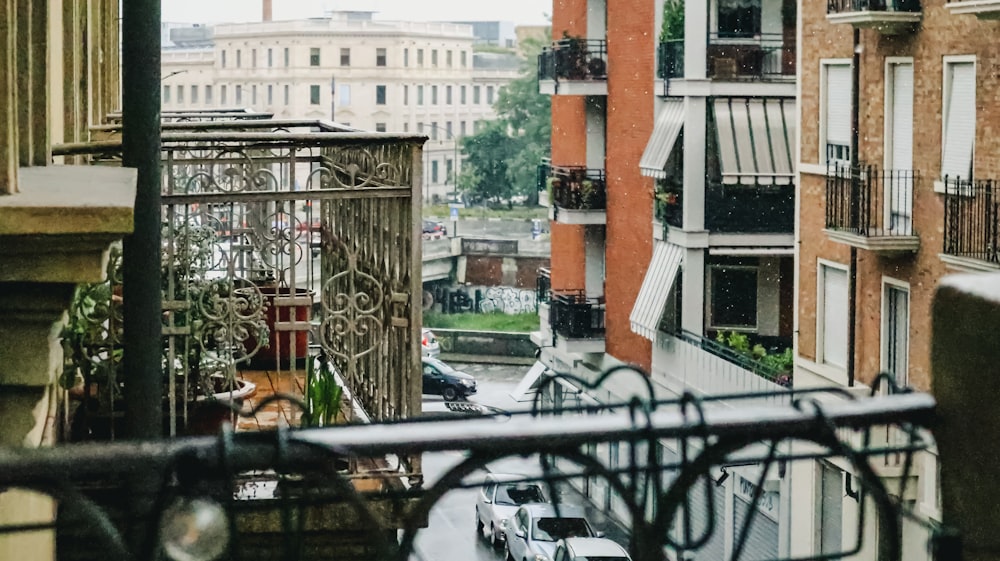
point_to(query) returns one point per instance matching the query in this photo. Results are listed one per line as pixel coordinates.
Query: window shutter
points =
(834, 316)
(838, 104)
(960, 127)
(902, 116)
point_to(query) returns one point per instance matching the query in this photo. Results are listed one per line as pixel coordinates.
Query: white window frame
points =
(821, 310)
(823, 64)
(946, 62)
(887, 284)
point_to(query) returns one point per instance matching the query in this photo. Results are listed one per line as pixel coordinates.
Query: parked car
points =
(533, 531)
(428, 343)
(441, 379)
(498, 500)
(589, 549)
(434, 229)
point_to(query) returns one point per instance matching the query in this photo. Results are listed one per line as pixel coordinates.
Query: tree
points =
(502, 158)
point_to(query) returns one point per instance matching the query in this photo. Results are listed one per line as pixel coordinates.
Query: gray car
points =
(533, 531)
(498, 500)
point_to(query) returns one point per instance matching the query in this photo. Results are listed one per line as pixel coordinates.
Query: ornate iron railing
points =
(279, 495)
(574, 59)
(972, 219)
(574, 316)
(578, 188)
(844, 6)
(869, 202)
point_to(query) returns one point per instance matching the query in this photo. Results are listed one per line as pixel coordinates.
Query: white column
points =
(694, 164)
(693, 288)
(695, 26)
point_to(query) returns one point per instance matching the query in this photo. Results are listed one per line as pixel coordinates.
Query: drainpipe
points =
(852, 285)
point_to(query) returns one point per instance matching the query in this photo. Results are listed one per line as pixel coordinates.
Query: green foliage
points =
(673, 20)
(739, 342)
(518, 323)
(323, 395)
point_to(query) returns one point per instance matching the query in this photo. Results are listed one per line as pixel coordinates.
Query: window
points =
(345, 95)
(739, 18)
(434, 95)
(239, 58)
(223, 58)
(461, 128)
(286, 94)
(899, 145)
(447, 94)
(270, 58)
(420, 128)
(461, 95)
(734, 296)
(489, 95)
(447, 59)
(314, 95)
(836, 116)
(406, 94)
(895, 330)
(434, 130)
(314, 56)
(829, 532)
(270, 94)
(831, 341)
(239, 95)
(434, 58)
(253, 94)
(379, 127)
(345, 57)
(380, 57)
(447, 128)
(222, 94)
(420, 57)
(180, 94)
(166, 94)
(420, 95)
(253, 58)
(475, 95)
(406, 57)
(959, 113)
(434, 171)
(208, 95)
(406, 127)
(287, 57)
(464, 63)
(379, 95)
(449, 170)
(194, 94)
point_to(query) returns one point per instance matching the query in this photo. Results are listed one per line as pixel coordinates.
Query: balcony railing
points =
(574, 59)
(574, 316)
(735, 208)
(972, 219)
(982, 9)
(890, 17)
(845, 6)
(543, 285)
(757, 367)
(762, 58)
(865, 201)
(578, 188)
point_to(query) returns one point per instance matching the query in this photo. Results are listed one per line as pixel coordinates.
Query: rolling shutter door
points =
(834, 316)
(762, 537)
(960, 127)
(838, 104)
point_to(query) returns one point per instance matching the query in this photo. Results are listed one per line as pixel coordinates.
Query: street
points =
(451, 532)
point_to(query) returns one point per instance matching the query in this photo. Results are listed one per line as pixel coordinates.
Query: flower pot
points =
(286, 313)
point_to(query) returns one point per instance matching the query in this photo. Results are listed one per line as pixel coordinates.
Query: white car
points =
(498, 500)
(533, 531)
(428, 343)
(590, 549)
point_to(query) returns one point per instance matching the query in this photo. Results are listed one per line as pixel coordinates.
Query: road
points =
(451, 531)
(494, 229)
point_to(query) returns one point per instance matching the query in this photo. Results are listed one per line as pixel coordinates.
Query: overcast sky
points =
(217, 11)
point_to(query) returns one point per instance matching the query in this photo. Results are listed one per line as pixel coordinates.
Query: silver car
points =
(590, 549)
(533, 531)
(497, 501)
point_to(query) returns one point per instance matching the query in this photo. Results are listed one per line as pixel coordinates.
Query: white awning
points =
(661, 142)
(660, 276)
(528, 387)
(756, 140)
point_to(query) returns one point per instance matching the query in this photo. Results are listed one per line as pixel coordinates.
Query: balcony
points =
(574, 66)
(578, 195)
(543, 285)
(577, 321)
(871, 209)
(972, 224)
(734, 209)
(762, 58)
(889, 17)
(670, 59)
(982, 9)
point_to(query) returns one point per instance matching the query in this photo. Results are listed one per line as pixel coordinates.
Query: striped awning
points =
(660, 276)
(661, 142)
(756, 140)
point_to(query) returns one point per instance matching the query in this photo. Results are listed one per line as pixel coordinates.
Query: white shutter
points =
(899, 186)
(960, 124)
(838, 104)
(834, 316)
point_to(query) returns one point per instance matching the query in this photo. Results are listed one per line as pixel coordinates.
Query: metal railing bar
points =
(275, 196)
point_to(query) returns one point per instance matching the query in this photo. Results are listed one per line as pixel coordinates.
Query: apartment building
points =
(898, 160)
(672, 183)
(372, 75)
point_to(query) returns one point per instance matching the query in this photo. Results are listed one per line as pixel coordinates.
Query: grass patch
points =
(443, 212)
(483, 322)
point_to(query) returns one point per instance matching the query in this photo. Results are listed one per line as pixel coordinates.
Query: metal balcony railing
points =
(760, 368)
(578, 188)
(543, 285)
(845, 6)
(573, 58)
(574, 316)
(208, 498)
(750, 209)
(762, 57)
(869, 202)
(670, 59)
(972, 219)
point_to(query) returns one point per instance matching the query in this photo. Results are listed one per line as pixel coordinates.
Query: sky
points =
(529, 12)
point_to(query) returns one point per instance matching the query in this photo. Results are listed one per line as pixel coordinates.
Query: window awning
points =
(756, 140)
(661, 142)
(660, 276)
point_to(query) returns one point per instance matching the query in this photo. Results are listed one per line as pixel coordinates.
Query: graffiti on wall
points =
(508, 300)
